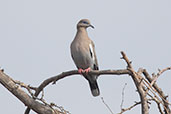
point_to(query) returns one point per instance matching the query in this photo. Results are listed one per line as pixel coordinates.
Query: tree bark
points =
(8, 83)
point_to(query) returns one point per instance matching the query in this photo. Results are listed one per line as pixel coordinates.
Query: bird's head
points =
(85, 23)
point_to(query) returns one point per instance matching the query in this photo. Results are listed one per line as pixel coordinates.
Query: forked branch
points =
(143, 84)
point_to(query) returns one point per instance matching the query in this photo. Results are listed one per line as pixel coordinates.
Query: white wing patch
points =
(91, 51)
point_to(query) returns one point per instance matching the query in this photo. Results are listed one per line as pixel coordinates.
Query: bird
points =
(83, 54)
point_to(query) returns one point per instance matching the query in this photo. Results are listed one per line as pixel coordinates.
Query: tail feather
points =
(94, 88)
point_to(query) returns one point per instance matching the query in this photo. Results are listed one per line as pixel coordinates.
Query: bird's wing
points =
(93, 55)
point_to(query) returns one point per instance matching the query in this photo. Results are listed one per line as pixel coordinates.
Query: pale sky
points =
(35, 37)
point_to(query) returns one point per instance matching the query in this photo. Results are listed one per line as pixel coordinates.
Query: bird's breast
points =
(81, 56)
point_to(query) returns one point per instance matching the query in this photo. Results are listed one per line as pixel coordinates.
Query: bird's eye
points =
(85, 22)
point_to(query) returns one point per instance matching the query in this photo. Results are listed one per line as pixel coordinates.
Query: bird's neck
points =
(81, 32)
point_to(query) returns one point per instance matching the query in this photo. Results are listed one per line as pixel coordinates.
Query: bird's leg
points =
(87, 70)
(80, 70)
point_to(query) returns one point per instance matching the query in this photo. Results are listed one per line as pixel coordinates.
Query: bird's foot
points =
(87, 70)
(80, 71)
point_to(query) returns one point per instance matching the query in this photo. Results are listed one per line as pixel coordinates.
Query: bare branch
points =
(106, 105)
(126, 59)
(143, 84)
(123, 96)
(157, 102)
(138, 82)
(159, 73)
(163, 96)
(75, 72)
(28, 87)
(129, 108)
(62, 110)
(8, 83)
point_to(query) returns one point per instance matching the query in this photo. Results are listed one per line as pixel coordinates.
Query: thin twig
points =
(28, 87)
(62, 110)
(159, 91)
(157, 102)
(123, 96)
(106, 105)
(159, 73)
(129, 108)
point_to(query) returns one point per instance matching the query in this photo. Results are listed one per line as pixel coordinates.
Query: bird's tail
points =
(94, 88)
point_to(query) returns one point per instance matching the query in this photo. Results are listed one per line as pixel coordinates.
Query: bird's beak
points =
(91, 26)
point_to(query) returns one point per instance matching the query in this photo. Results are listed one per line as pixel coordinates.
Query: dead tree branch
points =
(74, 72)
(138, 82)
(159, 90)
(143, 84)
(129, 108)
(123, 90)
(106, 105)
(8, 83)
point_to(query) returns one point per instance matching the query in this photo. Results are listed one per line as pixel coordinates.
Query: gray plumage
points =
(83, 54)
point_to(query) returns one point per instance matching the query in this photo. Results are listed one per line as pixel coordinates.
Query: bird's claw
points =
(87, 70)
(81, 71)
